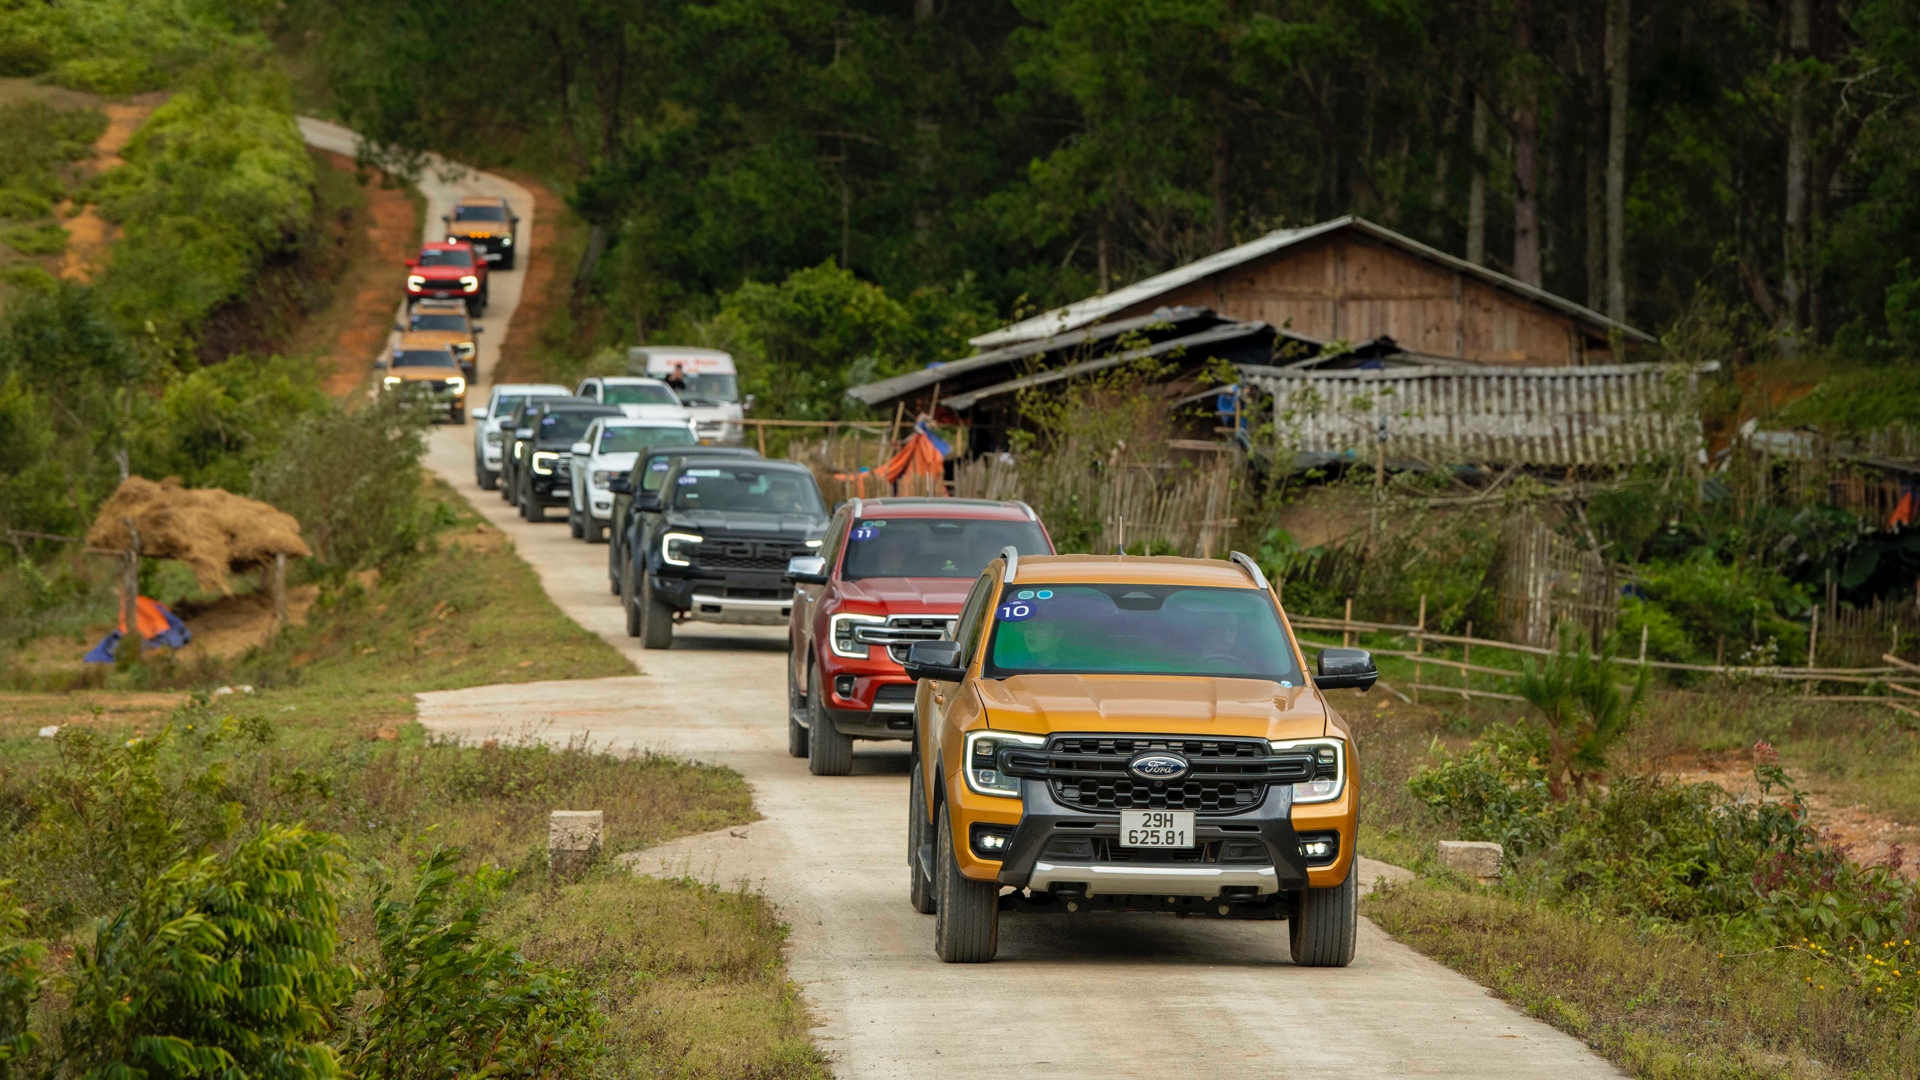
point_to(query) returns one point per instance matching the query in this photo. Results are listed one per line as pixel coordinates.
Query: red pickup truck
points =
(448, 272)
(890, 572)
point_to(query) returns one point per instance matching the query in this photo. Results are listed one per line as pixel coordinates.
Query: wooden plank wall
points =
(1345, 286)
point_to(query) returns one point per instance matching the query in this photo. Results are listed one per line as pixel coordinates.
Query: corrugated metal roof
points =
(1609, 414)
(887, 389)
(1182, 345)
(1095, 308)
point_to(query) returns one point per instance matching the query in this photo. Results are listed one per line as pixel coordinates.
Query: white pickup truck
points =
(710, 387)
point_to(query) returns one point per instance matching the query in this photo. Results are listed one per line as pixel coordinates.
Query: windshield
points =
(930, 548)
(479, 213)
(766, 491)
(438, 257)
(706, 386)
(1139, 630)
(423, 358)
(455, 323)
(643, 394)
(565, 426)
(632, 440)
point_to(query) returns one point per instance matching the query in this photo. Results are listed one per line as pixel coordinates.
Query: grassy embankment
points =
(1659, 997)
(689, 978)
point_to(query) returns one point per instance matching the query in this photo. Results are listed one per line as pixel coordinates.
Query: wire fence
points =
(1895, 676)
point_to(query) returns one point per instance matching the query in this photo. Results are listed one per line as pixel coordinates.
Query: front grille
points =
(747, 554)
(1089, 772)
(894, 694)
(903, 630)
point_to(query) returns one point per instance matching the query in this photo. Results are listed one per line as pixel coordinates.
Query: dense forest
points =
(1752, 159)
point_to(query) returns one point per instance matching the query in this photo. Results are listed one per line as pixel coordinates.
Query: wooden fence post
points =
(1466, 677)
(1419, 648)
(279, 591)
(1813, 639)
(1643, 644)
(131, 643)
(1346, 632)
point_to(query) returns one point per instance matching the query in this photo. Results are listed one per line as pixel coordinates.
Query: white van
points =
(712, 389)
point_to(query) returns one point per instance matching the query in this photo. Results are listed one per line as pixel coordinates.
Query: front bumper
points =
(495, 248)
(739, 611)
(1034, 859)
(745, 598)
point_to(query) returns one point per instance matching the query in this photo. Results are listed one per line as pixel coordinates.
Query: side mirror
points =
(523, 433)
(648, 502)
(479, 413)
(807, 570)
(412, 263)
(479, 329)
(936, 660)
(620, 485)
(446, 217)
(582, 448)
(400, 328)
(1345, 669)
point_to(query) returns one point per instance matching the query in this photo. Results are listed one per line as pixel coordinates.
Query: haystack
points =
(215, 532)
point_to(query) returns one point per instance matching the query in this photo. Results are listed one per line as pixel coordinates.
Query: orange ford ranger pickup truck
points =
(1111, 733)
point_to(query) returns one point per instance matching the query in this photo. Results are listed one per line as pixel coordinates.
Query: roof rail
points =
(1251, 568)
(858, 508)
(1013, 563)
(1031, 516)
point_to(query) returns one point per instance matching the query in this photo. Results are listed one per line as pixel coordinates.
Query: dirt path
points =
(1117, 996)
(88, 234)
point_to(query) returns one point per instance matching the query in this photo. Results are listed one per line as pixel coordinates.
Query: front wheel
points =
(1321, 932)
(829, 753)
(966, 926)
(487, 478)
(596, 532)
(575, 525)
(919, 885)
(631, 604)
(656, 618)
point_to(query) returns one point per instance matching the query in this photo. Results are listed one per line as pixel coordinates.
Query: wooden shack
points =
(1349, 279)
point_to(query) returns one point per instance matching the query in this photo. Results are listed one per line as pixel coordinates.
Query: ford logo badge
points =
(1161, 767)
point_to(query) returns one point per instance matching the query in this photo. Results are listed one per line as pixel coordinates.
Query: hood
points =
(621, 461)
(439, 337)
(1156, 704)
(721, 524)
(424, 374)
(656, 412)
(718, 411)
(443, 273)
(937, 596)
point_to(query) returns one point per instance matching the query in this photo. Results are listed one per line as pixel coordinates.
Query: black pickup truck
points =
(719, 549)
(631, 524)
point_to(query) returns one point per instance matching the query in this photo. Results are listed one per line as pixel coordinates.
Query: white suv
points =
(486, 432)
(640, 398)
(605, 454)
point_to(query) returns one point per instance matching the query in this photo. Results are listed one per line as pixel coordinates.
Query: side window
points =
(836, 539)
(967, 630)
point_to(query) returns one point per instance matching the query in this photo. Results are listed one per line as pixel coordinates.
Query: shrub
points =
(1495, 790)
(1580, 703)
(19, 984)
(453, 1002)
(23, 58)
(221, 967)
(369, 509)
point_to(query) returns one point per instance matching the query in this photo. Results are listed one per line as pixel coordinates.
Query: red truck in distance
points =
(448, 272)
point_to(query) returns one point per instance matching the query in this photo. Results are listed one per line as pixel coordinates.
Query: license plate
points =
(1156, 828)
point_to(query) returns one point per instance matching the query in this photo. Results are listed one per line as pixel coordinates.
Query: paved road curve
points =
(1124, 996)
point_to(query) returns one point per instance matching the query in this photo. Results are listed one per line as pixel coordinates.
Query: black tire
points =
(630, 603)
(487, 478)
(574, 526)
(596, 532)
(829, 753)
(966, 922)
(796, 734)
(919, 885)
(656, 618)
(506, 261)
(508, 485)
(1321, 934)
(536, 510)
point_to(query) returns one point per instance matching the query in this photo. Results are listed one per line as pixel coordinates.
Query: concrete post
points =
(573, 841)
(1477, 859)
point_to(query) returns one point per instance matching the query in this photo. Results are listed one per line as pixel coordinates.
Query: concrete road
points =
(1116, 995)
(443, 183)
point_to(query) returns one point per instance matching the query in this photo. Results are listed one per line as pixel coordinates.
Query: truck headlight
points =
(470, 283)
(602, 477)
(391, 381)
(493, 438)
(456, 384)
(1329, 768)
(841, 640)
(415, 281)
(543, 462)
(673, 548)
(453, 239)
(506, 241)
(983, 761)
